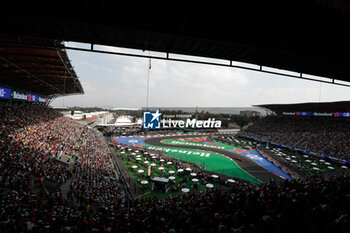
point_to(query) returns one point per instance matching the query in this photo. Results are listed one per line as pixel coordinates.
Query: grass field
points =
(211, 161)
(219, 145)
(180, 180)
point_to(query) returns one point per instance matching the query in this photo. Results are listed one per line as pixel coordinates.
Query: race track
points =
(248, 165)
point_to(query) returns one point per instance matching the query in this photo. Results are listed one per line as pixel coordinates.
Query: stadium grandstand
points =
(58, 175)
(321, 128)
(38, 69)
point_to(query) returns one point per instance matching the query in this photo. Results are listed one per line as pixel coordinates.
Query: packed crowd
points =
(33, 137)
(295, 163)
(322, 135)
(30, 139)
(313, 205)
(95, 180)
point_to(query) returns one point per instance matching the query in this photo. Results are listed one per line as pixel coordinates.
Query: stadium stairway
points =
(65, 188)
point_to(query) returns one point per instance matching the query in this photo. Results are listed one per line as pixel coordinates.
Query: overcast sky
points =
(121, 81)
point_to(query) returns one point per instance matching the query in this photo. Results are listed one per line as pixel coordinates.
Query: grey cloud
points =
(121, 81)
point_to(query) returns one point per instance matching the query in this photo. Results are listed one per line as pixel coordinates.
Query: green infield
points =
(209, 160)
(219, 145)
(175, 187)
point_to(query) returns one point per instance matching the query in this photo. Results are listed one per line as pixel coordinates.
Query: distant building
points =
(124, 121)
(250, 113)
(79, 115)
(127, 121)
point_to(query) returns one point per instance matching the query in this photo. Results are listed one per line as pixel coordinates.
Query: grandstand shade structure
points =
(341, 106)
(38, 67)
(304, 36)
(59, 175)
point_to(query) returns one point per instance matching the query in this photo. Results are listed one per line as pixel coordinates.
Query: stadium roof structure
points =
(341, 106)
(303, 36)
(39, 67)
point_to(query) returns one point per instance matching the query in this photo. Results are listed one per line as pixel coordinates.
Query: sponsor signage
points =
(5, 93)
(303, 113)
(19, 95)
(152, 120)
(324, 114)
(32, 98)
(195, 144)
(342, 114)
(42, 100)
(288, 113)
(183, 151)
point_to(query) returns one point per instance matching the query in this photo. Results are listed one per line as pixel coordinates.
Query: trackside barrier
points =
(277, 164)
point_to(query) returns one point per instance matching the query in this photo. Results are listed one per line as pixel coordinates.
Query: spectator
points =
(322, 135)
(31, 137)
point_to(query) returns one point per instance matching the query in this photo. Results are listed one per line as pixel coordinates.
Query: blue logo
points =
(151, 120)
(5, 93)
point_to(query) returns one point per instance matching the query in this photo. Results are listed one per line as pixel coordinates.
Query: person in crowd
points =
(323, 135)
(33, 137)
